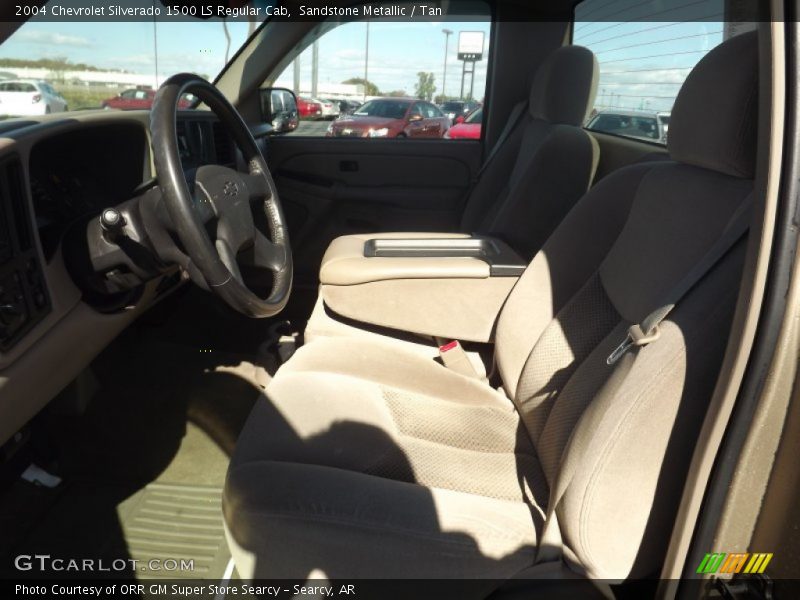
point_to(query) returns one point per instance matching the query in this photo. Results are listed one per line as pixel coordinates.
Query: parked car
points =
(663, 120)
(458, 108)
(467, 128)
(392, 118)
(139, 99)
(348, 107)
(330, 108)
(308, 109)
(22, 97)
(631, 123)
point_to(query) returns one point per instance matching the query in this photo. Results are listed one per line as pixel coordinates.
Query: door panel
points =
(331, 187)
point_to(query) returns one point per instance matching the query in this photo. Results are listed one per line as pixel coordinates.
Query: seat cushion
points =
(416, 470)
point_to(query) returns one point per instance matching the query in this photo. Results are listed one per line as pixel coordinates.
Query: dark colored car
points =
(392, 118)
(138, 99)
(649, 126)
(456, 108)
(467, 128)
(308, 109)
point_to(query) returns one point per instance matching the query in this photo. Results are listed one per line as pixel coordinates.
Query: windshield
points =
(475, 118)
(452, 106)
(94, 64)
(388, 109)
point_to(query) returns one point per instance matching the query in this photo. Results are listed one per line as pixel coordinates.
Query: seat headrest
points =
(715, 117)
(565, 86)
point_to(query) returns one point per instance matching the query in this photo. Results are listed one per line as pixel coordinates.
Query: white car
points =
(22, 98)
(330, 109)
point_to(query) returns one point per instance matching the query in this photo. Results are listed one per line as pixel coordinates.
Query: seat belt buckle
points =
(635, 337)
(454, 357)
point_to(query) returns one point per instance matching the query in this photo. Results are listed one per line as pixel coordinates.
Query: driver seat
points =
(368, 461)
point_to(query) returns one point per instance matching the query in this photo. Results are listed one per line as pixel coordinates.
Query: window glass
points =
(429, 111)
(476, 117)
(374, 63)
(387, 109)
(645, 60)
(453, 106)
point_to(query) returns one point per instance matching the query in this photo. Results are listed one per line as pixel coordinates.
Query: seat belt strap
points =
(520, 108)
(643, 333)
(550, 546)
(516, 114)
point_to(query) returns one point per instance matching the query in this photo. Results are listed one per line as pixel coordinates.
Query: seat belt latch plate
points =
(635, 337)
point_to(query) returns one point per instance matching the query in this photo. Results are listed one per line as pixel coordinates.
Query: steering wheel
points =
(223, 201)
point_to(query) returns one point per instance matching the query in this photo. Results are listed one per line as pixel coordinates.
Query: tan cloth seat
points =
(388, 420)
(364, 460)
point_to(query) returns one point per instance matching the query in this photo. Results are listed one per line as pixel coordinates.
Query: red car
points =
(467, 128)
(392, 118)
(308, 109)
(138, 99)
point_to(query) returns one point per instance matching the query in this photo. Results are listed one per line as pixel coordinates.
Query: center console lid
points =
(355, 259)
(435, 284)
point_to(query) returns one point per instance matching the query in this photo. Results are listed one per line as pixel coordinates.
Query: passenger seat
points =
(543, 161)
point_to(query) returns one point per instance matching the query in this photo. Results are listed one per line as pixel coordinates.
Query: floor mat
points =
(175, 531)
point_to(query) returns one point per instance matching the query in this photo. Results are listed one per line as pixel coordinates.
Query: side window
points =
(128, 94)
(429, 111)
(644, 61)
(352, 63)
(417, 109)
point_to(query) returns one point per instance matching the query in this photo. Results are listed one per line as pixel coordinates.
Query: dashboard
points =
(56, 177)
(77, 174)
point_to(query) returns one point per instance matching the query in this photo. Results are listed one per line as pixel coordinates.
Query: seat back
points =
(546, 163)
(627, 431)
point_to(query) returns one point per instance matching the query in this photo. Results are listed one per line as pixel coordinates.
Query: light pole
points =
(366, 64)
(447, 33)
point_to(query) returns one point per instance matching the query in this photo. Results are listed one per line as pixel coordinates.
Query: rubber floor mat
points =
(175, 531)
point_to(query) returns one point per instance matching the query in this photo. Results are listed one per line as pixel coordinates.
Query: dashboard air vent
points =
(13, 186)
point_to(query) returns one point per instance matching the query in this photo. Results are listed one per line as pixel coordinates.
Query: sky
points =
(397, 52)
(197, 46)
(642, 63)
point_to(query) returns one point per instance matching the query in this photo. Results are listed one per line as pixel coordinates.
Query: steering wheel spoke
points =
(228, 257)
(268, 254)
(258, 187)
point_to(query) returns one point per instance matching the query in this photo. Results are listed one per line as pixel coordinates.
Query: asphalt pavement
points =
(311, 128)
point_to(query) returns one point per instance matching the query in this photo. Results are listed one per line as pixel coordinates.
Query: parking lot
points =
(311, 128)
